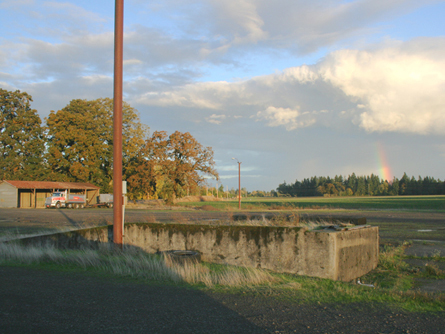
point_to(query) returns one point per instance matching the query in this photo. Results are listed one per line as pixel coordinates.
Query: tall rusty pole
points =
(239, 183)
(117, 121)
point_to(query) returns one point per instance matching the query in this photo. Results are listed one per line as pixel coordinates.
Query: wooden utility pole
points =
(117, 122)
(239, 183)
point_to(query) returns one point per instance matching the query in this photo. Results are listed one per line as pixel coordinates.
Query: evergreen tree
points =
(394, 187)
(361, 186)
(352, 182)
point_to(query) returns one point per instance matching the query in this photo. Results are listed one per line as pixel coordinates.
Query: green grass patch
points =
(431, 203)
(411, 230)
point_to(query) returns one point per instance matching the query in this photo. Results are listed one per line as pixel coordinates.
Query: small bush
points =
(392, 258)
(432, 270)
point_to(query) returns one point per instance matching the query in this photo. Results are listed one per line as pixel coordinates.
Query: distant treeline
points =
(362, 186)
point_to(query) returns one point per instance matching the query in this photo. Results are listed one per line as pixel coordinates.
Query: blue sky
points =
(291, 88)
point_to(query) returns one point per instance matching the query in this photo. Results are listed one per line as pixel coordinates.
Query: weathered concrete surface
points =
(91, 238)
(336, 255)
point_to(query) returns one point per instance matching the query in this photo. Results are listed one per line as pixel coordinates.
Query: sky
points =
(290, 88)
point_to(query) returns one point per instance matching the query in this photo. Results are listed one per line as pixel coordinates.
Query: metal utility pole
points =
(239, 183)
(117, 122)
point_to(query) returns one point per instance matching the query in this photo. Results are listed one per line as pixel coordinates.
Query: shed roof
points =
(50, 185)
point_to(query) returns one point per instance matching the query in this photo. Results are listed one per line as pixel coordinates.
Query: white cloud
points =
(129, 62)
(216, 119)
(398, 88)
(394, 88)
(223, 29)
(203, 95)
(246, 23)
(96, 79)
(289, 118)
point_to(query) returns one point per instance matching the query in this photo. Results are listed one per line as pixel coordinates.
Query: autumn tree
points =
(144, 172)
(80, 141)
(21, 138)
(170, 166)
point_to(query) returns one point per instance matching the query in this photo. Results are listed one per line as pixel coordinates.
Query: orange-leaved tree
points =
(170, 166)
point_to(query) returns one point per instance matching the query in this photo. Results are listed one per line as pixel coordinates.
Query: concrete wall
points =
(336, 255)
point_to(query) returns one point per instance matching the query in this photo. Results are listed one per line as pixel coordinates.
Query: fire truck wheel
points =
(110, 205)
(76, 206)
(82, 206)
(70, 206)
(58, 205)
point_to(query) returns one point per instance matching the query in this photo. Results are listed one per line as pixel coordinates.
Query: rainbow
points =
(384, 170)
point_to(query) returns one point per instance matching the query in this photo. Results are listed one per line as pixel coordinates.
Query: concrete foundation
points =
(337, 255)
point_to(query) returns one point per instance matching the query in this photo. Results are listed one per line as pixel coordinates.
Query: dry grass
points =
(433, 270)
(293, 221)
(135, 263)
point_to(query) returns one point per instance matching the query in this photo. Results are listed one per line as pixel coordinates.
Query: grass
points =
(132, 263)
(410, 230)
(393, 279)
(434, 203)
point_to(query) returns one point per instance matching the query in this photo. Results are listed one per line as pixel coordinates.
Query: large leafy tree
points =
(80, 141)
(145, 171)
(21, 138)
(188, 162)
(170, 166)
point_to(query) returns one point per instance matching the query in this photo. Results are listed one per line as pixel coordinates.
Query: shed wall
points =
(8, 196)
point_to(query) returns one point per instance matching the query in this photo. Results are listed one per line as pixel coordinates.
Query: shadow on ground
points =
(37, 301)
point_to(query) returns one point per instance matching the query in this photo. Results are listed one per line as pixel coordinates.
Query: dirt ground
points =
(37, 301)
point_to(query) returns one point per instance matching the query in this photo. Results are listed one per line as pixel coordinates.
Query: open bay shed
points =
(32, 194)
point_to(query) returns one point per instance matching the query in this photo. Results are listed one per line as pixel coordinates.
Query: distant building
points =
(32, 194)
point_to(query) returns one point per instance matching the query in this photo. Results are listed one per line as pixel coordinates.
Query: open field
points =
(416, 203)
(407, 218)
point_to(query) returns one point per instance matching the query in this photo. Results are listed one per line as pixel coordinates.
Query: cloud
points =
(391, 88)
(223, 30)
(16, 3)
(245, 22)
(202, 95)
(289, 118)
(297, 25)
(216, 119)
(65, 10)
(397, 88)
(129, 62)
